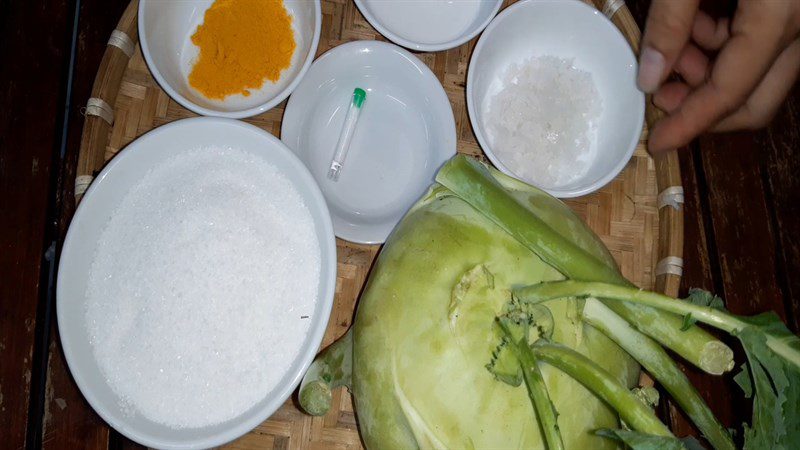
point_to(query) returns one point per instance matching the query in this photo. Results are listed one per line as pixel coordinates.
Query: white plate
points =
(429, 25)
(406, 131)
(102, 198)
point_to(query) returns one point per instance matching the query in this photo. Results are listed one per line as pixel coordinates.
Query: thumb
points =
(668, 28)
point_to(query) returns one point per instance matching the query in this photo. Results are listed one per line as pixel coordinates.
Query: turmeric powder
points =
(242, 43)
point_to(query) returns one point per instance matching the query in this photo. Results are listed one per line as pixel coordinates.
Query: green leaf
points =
(531, 321)
(744, 381)
(504, 365)
(773, 354)
(692, 444)
(642, 441)
(774, 382)
(700, 297)
(525, 322)
(688, 321)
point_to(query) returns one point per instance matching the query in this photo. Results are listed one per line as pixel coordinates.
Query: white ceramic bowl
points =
(405, 132)
(165, 35)
(566, 29)
(429, 25)
(102, 198)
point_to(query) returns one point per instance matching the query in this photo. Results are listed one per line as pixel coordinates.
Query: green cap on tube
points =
(359, 95)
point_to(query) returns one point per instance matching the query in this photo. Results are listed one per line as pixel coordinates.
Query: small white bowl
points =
(405, 132)
(165, 36)
(102, 198)
(565, 29)
(429, 25)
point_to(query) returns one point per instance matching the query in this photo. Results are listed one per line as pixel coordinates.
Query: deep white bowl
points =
(165, 36)
(405, 132)
(102, 198)
(565, 29)
(429, 25)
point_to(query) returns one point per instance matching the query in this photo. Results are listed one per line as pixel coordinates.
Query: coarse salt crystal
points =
(542, 123)
(198, 285)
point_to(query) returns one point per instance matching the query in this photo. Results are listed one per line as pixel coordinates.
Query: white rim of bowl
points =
(483, 142)
(425, 47)
(250, 112)
(315, 333)
(422, 67)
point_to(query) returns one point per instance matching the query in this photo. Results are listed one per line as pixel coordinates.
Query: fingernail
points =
(651, 67)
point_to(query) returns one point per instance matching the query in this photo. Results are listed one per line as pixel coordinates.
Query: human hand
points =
(756, 62)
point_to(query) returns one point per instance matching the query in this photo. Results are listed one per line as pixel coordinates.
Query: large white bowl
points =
(165, 35)
(566, 29)
(405, 132)
(102, 198)
(429, 25)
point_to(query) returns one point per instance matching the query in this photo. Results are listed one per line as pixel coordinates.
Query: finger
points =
(670, 96)
(692, 65)
(755, 40)
(708, 33)
(768, 97)
(668, 27)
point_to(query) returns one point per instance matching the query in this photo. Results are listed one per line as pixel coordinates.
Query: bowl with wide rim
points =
(81, 243)
(405, 132)
(429, 25)
(570, 30)
(165, 31)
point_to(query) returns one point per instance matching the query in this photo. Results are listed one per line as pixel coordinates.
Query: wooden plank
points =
(781, 151)
(737, 202)
(30, 75)
(733, 209)
(120, 442)
(698, 273)
(69, 421)
(738, 209)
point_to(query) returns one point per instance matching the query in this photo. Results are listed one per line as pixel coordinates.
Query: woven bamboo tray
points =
(638, 215)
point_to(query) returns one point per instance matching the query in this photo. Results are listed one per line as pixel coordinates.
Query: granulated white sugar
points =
(202, 287)
(542, 123)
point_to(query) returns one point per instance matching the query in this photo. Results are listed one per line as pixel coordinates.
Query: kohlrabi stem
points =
(542, 292)
(472, 182)
(537, 390)
(711, 355)
(630, 409)
(694, 345)
(651, 356)
(710, 316)
(332, 368)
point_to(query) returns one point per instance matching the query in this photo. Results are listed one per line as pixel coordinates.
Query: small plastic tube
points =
(349, 127)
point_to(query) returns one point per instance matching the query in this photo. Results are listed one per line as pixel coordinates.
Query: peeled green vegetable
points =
(424, 332)
(444, 352)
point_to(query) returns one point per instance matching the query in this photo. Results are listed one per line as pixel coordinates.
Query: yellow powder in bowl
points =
(242, 43)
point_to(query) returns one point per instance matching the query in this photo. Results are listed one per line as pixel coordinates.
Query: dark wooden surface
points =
(68, 421)
(34, 47)
(742, 218)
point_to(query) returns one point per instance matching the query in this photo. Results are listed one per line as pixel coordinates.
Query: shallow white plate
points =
(406, 131)
(429, 25)
(102, 198)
